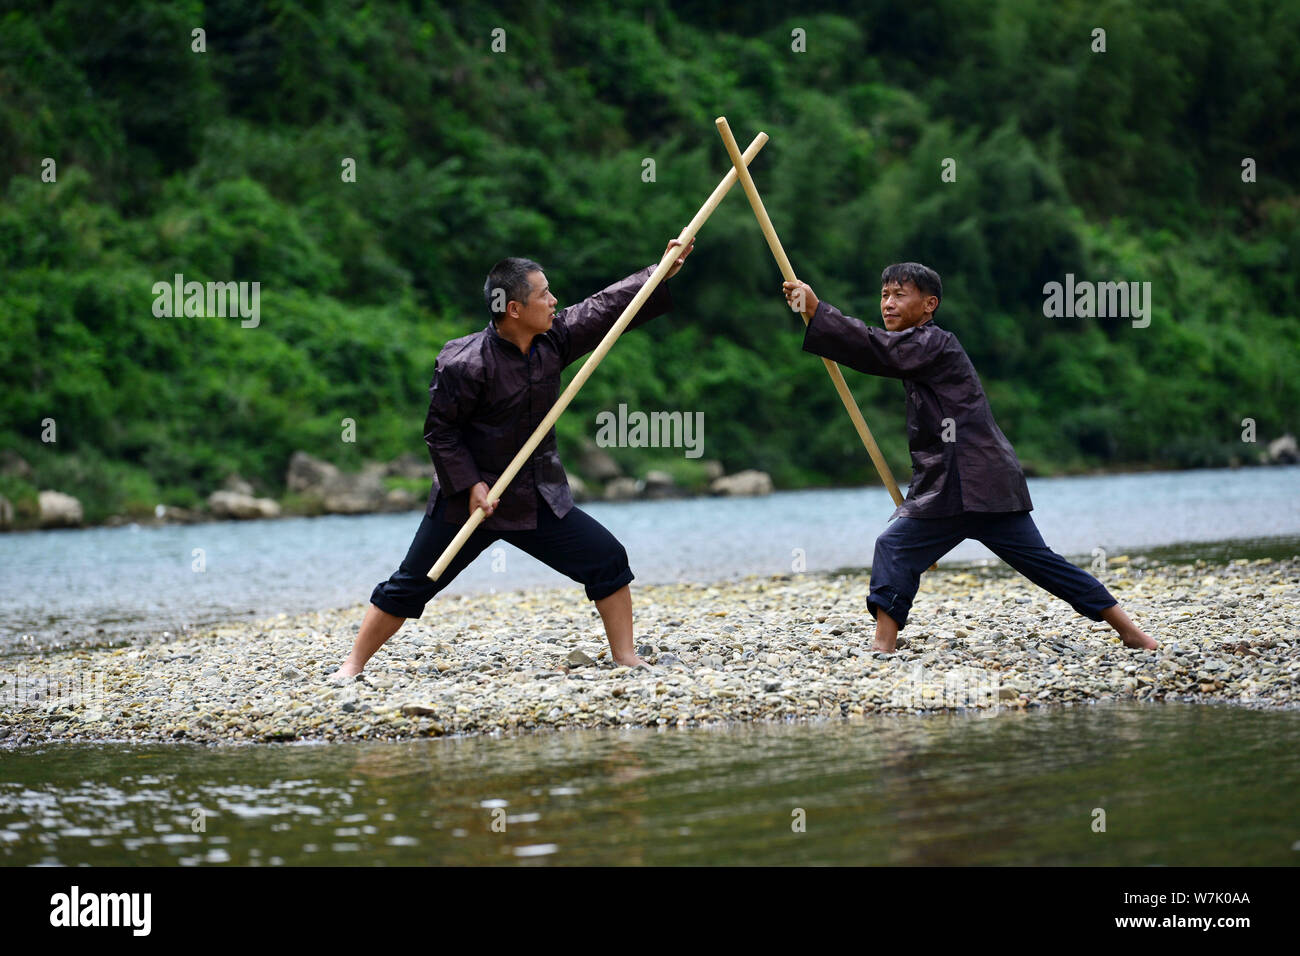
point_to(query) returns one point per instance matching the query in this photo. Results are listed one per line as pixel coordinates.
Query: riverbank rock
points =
(655, 485)
(399, 499)
(231, 504)
(577, 487)
(354, 494)
(748, 482)
(308, 473)
(660, 484)
(238, 485)
(339, 492)
(58, 510)
(407, 465)
(1281, 451)
(596, 464)
(622, 489)
(170, 514)
(6, 512)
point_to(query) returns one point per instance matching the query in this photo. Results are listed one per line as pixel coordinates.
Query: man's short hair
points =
(925, 279)
(511, 277)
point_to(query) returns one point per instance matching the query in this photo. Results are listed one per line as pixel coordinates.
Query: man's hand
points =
(801, 297)
(478, 498)
(680, 259)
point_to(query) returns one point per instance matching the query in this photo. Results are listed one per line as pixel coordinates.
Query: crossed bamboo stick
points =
(740, 171)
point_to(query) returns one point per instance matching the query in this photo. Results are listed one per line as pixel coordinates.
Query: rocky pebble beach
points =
(789, 647)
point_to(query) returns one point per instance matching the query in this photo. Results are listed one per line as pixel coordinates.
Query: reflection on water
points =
(1179, 784)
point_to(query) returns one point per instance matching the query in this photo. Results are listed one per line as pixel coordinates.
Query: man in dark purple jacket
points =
(966, 479)
(490, 391)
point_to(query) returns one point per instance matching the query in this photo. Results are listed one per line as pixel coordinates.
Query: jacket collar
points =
(504, 342)
(501, 340)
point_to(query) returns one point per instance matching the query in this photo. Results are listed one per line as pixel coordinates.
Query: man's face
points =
(902, 305)
(536, 314)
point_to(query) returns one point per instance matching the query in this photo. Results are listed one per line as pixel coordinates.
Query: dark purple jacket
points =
(978, 469)
(487, 397)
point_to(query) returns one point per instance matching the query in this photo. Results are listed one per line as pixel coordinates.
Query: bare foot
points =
(347, 671)
(1132, 635)
(886, 633)
(633, 661)
(1138, 638)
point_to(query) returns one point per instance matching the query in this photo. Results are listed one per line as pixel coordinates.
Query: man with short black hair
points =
(508, 281)
(490, 391)
(966, 479)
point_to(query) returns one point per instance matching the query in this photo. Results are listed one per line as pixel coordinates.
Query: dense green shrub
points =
(225, 166)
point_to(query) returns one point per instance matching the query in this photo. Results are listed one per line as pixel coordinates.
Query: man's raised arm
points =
(580, 327)
(849, 341)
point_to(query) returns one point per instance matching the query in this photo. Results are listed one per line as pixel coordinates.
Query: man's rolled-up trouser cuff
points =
(407, 604)
(1096, 601)
(891, 602)
(603, 589)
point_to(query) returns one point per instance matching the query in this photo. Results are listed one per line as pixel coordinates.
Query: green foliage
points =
(225, 166)
(416, 486)
(22, 495)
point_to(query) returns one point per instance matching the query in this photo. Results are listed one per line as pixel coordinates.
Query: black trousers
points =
(576, 545)
(911, 545)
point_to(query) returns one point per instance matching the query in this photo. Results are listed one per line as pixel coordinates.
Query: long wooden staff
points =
(595, 358)
(787, 270)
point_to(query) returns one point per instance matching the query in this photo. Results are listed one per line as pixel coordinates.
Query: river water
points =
(106, 585)
(1109, 784)
(1174, 785)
